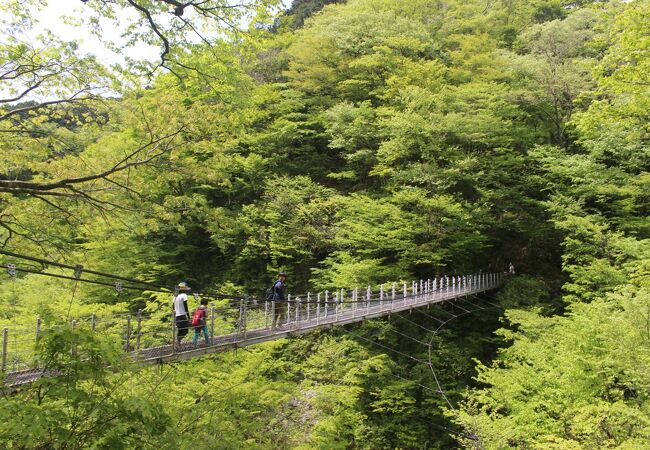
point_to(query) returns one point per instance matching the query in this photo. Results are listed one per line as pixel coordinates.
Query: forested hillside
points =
(346, 143)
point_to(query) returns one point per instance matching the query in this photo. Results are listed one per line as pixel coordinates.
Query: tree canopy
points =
(347, 144)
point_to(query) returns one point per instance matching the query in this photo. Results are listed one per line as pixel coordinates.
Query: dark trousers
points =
(182, 327)
(280, 313)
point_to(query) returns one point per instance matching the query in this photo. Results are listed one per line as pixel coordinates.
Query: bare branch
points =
(71, 99)
(27, 187)
(155, 29)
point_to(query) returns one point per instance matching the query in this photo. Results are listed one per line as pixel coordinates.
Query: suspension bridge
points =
(150, 337)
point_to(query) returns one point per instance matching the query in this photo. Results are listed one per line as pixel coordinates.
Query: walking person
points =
(181, 311)
(199, 322)
(280, 308)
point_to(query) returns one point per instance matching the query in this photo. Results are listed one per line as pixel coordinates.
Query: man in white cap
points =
(181, 311)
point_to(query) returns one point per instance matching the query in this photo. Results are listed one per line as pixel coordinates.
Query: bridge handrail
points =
(144, 331)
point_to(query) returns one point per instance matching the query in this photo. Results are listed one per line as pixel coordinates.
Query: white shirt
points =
(179, 304)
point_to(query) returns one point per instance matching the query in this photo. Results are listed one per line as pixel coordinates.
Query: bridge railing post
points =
(138, 333)
(381, 297)
(336, 306)
(273, 306)
(288, 309)
(354, 302)
(266, 314)
(318, 309)
(73, 346)
(298, 304)
(173, 331)
(392, 296)
(368, 296)
(327, 295)
(39, 322)
(212, 324)
(127, 334)
(240, 321)
(246, 308)
(414, 291)
(308, 306)
(5, 340)
(405, 294)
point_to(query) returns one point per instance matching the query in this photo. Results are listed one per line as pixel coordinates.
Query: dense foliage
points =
(346, 143)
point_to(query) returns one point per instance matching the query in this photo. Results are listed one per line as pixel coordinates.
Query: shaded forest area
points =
(347, 143)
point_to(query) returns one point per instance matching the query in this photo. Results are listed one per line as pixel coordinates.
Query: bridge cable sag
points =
(151, 287)
(428, 363)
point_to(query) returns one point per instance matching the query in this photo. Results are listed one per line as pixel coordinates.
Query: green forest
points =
(346, 143)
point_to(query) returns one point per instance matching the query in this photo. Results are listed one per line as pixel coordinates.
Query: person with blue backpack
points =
(277, 297)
